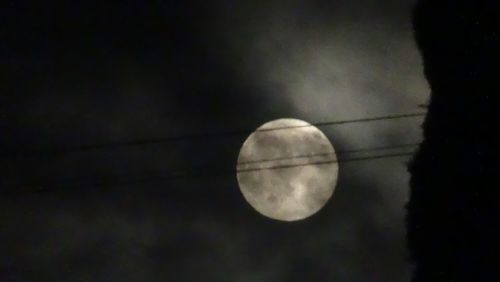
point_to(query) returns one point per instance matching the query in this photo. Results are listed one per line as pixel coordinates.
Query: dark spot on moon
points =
(272, 198)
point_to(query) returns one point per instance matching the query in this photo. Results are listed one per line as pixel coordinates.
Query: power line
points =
(327, 123)
(326, 162)
(288, 158)
(193, 174)
(115, 145)
(332, 154)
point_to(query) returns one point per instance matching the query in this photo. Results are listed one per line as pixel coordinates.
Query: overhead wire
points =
(331, 154)
(204, 172)
(326, 162)
(193, 174)
(201, 136)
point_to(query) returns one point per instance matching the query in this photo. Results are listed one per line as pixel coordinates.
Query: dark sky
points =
(74, 75)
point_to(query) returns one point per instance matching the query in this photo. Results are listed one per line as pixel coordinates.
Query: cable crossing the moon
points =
(199, 136)
(329, 162)
(307, 158)
(200, 172)
(338, 153)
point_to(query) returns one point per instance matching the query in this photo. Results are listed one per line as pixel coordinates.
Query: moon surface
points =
(287, 169)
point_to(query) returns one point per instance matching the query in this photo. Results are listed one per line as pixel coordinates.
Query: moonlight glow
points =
(287, 169)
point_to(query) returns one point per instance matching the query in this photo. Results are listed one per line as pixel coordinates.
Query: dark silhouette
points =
(453, 211)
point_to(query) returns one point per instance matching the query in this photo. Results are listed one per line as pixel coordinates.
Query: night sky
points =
(121, 125)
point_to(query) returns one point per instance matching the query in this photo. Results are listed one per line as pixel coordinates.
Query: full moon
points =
(287, 169)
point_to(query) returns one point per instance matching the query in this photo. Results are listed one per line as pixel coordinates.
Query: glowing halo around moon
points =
(287, 169)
